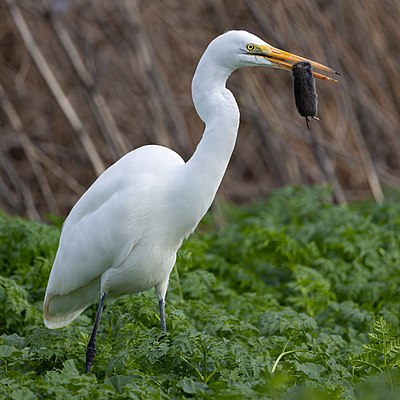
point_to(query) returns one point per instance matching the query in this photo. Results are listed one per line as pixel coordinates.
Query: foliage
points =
(293, 298)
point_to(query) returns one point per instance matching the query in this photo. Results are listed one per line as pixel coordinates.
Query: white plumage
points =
(122, 236)
(112, 240)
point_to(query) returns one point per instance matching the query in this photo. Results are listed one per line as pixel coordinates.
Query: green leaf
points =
(6, 351)
(312, 370)
(190, 386)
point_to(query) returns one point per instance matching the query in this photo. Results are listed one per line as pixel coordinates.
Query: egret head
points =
(236, 49)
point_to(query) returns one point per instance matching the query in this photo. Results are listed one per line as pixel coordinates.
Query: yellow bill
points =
(285, 60)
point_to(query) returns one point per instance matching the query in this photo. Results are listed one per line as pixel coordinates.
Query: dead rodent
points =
(304, 91)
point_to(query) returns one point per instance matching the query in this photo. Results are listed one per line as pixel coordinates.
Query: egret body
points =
(123, 234)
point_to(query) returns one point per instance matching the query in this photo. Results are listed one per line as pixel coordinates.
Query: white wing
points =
(101, 230)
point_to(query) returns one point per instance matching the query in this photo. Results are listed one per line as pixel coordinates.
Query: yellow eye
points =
(250, 47)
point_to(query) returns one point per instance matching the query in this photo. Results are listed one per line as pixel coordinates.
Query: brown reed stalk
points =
(54, 86)
(145, 53)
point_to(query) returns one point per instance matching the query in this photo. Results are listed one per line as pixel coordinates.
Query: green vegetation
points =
(292, 299)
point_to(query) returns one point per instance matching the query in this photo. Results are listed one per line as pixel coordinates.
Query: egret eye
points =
(250, 47)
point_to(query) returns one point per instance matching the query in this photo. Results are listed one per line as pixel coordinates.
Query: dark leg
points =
(161, 306)
(91, 347)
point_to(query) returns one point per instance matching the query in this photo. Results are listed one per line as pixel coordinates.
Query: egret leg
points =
(161, 306)
(91, 347)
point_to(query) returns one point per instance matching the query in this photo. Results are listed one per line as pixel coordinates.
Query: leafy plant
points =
(381, 354)
(292, 298)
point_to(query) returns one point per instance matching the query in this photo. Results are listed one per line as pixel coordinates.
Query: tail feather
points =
(60, 310)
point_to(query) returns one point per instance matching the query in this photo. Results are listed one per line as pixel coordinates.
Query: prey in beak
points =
(303, 76)
(284, 60)
(305, 94)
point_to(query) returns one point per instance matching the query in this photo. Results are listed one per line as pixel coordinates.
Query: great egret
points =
(122, 235)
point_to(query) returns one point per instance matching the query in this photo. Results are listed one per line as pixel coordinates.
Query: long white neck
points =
(218, 109)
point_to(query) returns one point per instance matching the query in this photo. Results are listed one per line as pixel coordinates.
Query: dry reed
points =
(94, 79)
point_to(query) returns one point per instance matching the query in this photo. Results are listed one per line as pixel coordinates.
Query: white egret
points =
(123, 234)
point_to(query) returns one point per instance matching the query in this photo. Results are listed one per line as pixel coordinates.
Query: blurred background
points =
(83, 82)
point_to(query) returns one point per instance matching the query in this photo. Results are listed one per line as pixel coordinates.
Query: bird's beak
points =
(284, 60)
